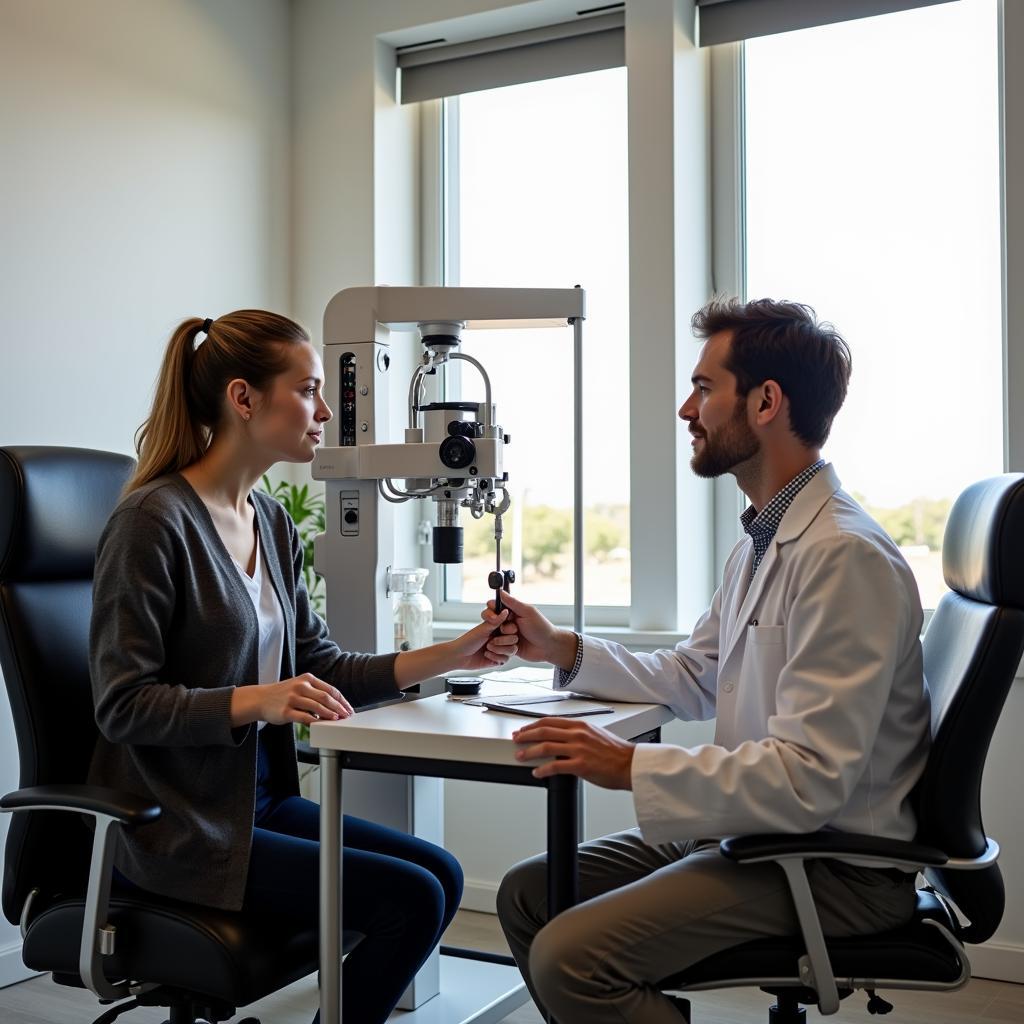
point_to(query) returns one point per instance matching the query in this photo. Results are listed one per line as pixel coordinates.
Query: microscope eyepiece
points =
(465, 428)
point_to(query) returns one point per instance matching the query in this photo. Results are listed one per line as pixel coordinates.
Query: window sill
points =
(635, 640)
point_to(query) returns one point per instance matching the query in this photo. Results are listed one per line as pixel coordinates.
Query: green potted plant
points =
(308, 512)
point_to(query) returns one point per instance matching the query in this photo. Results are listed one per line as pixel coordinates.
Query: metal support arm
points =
(97, 938)
(816, 967)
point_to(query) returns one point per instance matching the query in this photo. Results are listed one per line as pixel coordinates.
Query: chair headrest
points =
(983, 547)
(54, 503)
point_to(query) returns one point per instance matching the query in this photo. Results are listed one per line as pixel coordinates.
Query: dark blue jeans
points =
(399, 891)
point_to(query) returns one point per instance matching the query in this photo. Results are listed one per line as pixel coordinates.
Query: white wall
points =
(144, 178)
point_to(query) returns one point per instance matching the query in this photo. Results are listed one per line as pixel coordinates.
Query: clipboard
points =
(558, 705)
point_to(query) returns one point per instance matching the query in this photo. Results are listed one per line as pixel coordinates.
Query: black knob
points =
(460, 428)
(501, 579)
(457, 452)
(351, 516)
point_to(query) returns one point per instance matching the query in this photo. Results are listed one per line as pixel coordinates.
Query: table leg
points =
(563, 840)
(330, 887)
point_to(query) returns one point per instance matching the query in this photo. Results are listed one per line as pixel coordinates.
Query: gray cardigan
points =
(173, 633)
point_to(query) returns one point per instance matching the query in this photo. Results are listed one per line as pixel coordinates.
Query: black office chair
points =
(199, 962)
(972, 648)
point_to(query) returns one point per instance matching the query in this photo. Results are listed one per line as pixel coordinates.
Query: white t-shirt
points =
(271, 619)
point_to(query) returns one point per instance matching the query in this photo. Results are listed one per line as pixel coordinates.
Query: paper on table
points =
(522, 674)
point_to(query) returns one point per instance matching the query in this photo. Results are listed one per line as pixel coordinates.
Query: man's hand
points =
(579, 748)
(476, 649)
(539, 640)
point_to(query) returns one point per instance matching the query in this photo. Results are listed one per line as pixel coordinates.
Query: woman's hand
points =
(303, 698)
(539, 640)
(481, 647)
(484, 646)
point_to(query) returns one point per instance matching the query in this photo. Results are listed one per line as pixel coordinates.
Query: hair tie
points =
(207, 324)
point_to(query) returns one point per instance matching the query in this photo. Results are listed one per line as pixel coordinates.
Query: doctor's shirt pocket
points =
(765, 636)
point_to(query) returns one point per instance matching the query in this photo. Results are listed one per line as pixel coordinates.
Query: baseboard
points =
(997, 961)
(12, 970)
(480, 896)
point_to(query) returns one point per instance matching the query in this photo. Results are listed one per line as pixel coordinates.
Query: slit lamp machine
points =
(450, 454)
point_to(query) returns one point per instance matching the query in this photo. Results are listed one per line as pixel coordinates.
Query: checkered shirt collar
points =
(762, 526)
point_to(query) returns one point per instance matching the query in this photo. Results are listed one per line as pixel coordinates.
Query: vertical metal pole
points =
(330, 887)
(577, 482)
(563, 839)
(579, 811)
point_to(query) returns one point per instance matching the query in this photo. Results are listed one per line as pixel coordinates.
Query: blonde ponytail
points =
(249, 344)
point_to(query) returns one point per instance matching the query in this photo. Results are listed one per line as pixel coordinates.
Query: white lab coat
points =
(814, 673)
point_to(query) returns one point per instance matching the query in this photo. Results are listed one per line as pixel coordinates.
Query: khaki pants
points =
(647, 912)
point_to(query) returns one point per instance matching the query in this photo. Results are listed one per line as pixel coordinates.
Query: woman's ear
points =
(240, 398)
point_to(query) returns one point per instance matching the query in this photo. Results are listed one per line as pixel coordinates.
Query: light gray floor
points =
(39, 1001)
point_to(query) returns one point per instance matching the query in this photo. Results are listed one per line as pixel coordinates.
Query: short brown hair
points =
(785, 342)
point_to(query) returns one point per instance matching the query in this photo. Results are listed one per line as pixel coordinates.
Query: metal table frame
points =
(562, 840)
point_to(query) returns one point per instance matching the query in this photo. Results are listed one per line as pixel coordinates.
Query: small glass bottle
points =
(414, 617)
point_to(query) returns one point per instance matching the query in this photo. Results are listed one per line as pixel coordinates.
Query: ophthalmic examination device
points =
(449, 453)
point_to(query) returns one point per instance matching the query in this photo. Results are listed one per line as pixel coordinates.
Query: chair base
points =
(787, 1010)
(183, 1008)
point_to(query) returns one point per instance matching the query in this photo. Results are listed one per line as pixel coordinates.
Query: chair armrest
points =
(791, 851)
(113, 810)
(305, 754)
(886, 852)
(127, 808)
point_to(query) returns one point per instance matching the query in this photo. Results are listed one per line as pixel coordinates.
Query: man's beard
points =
(728, 447)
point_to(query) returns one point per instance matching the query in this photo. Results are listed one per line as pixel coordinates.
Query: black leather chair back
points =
(54, 504)
(972, 648)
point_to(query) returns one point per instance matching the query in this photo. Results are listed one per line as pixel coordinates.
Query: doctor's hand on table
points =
(578, 748)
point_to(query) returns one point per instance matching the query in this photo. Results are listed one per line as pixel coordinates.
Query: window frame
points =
(439, 130)
(439, 169)
(732, 124)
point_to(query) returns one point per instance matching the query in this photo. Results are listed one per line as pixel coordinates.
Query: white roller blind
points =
(728, 21)
(569, 48)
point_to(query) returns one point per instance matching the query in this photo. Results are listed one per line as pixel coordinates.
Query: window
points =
(538, 198)
(872, 182)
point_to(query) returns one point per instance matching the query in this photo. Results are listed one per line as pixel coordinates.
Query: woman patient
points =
(205, 650)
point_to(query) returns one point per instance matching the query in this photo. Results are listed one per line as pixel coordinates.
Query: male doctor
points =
(809, 659)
